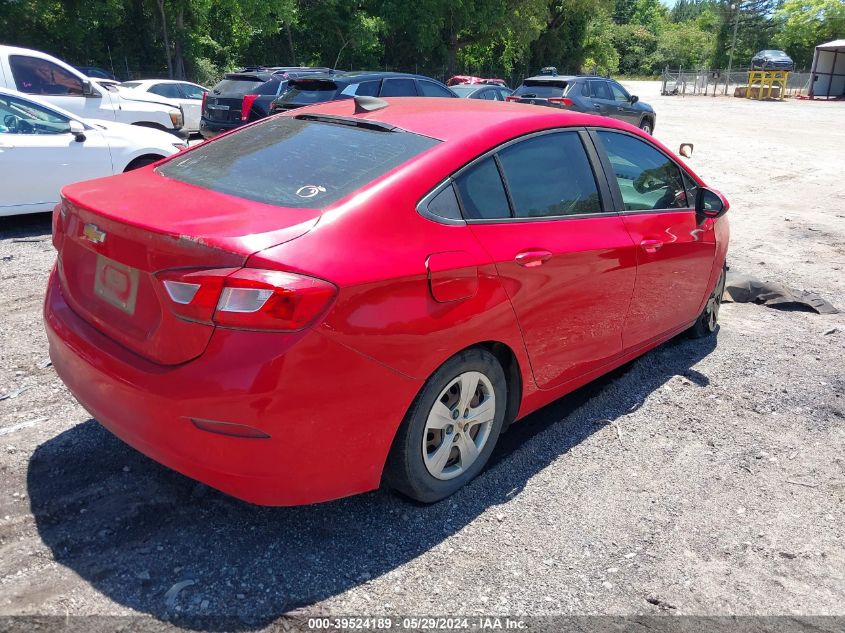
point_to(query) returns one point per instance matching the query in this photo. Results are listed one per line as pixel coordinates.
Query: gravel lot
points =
(708, 477)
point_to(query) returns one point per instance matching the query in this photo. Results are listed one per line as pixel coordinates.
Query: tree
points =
(803, 24)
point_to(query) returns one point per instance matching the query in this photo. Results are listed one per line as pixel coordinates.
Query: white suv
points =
(52, 80)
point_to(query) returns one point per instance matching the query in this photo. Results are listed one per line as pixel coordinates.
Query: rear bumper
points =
(327, 438)
(210, 129)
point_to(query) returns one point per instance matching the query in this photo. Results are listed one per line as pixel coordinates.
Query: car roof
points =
(459, 119)
(353, 75)
(552, 78)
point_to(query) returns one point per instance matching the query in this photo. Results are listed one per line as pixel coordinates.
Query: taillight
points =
(246, 106)
(58, 224)
(561, 100)
(204, 98)
(511, 98)
(247, 298)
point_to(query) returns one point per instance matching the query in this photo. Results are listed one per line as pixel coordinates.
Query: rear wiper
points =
(366, 124)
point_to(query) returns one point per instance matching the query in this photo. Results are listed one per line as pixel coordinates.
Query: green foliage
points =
(202, 39)
(803, 24)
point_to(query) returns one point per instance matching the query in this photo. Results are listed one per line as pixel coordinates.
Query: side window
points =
(399, 88)
(37, 76)
(691, 189)
(363, 89)
(189, 91)
(488, 95)
(550, 175)
(24, 117)
(169, 91)
(269, 87)
(431, 89)
(647, 178)
(482, 193)
(585, 89)
(599, 90)
(619, 93)
(445, 204)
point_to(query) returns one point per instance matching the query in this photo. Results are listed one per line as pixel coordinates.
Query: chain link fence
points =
(721, 82)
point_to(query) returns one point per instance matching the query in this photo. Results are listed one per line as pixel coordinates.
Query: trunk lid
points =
(117, 233)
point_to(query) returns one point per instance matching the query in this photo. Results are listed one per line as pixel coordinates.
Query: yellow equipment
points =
(764, 82)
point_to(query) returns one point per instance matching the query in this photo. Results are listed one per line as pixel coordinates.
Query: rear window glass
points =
(237, 86)
(294, 163)
(541, 90)
(305, 92)
(268, 88)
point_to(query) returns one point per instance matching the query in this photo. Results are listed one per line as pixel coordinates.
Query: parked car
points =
(349, 293)
(587, 93)
(772, 60)
(55, 82)
(188, 95)
(43, 148)
(246, 96)
(345, 85)
(482, 91)
(470, 79)
(96, 73)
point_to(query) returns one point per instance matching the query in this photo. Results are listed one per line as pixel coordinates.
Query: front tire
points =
(708, 320)
(450, 430)
(647, 126)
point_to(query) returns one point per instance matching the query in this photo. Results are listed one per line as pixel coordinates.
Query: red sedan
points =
(367, 291)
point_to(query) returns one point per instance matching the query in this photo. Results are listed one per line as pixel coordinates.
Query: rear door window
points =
(431, 89)
(37, 76)
(297, 163)
(398, 88)
(599, 90)
(482, 192)
(549, 176)
(170, 91)
(363, 89)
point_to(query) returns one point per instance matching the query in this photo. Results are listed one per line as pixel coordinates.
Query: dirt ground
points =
(707, 477)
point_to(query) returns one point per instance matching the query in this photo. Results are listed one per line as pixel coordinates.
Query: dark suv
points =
(318, 88)
(582, 93)
(246, 96)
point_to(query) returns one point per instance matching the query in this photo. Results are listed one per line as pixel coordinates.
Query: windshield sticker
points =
(309, 191)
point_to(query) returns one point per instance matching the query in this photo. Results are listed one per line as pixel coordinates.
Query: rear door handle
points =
(651, 246)
(597, 107)
(6, 146)
(532, 259)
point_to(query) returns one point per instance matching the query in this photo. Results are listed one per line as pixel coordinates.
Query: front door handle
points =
(532, 259)
(651, 246)
(6, 146)
(597, 107)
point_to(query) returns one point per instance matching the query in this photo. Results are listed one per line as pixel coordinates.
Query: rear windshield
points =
(301, 92)
(296, 163)
(541, 89)
(235, 86)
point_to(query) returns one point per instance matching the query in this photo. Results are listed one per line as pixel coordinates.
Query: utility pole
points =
(735, 7)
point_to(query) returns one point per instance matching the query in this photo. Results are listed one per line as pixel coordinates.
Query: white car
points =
(187, 95)
(57, 83)
(43, 148)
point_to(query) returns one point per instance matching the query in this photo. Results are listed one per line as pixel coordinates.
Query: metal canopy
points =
(828, 74)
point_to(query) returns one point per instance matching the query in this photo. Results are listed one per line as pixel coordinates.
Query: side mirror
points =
(78, 130)
(88, 89)
(710, 204)
(685, 150)
(634, 99)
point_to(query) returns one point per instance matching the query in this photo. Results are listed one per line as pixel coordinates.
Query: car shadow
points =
(158, 543)
(28, 226)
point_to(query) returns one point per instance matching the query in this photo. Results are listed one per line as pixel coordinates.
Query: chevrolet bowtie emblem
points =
(92, 233)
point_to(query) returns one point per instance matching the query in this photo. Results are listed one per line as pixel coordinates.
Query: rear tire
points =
(708, 320)
(451, 428)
